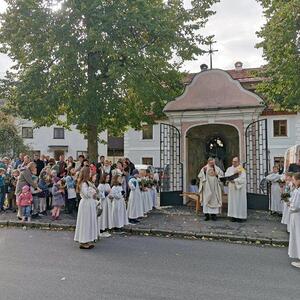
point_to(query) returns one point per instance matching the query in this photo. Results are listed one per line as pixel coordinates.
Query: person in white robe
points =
(134, 205)
(119, 215)
(287, 190)
(210, 189)
(86, 231)
(276, 205)
(237, 194)
(294, 241)
(105, 220)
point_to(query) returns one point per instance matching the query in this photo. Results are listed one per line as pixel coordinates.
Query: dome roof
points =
(214, 90)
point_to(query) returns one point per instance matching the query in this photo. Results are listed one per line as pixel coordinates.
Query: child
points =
(275, 179)
(286, 196)
(193, 186)
(58, 191)
(43, 194)
(2, 188)
(25, 202)
(134, 207)
(294, 242)
(119, 216)
(35, 196)
(11, 190)
(105, 220)
(71, 191)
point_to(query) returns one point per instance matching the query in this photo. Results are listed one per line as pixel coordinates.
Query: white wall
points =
(43, 138)
(278, 145)
(135, 148)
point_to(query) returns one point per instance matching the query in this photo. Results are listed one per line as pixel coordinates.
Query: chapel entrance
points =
(211, 140)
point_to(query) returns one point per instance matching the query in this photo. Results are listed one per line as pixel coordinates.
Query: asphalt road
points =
(48, 265)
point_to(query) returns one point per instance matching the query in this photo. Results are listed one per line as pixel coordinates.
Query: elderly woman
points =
(25, 178)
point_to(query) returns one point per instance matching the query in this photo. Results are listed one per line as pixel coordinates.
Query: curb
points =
(158, 232)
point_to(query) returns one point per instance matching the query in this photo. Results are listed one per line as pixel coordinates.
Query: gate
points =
(257, 164)
(171, 180)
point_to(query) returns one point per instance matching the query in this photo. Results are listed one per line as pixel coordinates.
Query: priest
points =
(237, 194)
(210, 189)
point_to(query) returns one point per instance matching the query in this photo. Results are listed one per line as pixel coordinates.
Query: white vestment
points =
(210, 189)
(237, 195)
(86, 224)
(294, 243)
(135, 205)
(276, 203)
(105, 220)
(119, 215)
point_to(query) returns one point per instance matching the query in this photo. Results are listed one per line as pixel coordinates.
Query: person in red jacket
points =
(25, 202)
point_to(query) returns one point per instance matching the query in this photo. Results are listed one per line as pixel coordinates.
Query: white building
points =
(143, 147)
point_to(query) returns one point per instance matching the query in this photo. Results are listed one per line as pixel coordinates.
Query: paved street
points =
(48, 265)
(259, 226)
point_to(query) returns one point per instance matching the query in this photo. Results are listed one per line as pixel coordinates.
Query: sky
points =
(234, 26)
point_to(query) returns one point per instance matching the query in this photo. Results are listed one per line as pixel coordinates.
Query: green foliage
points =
(104, 64)
(11, 144)
(281, 48)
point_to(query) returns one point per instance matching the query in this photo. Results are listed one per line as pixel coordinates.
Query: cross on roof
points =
(211, 52)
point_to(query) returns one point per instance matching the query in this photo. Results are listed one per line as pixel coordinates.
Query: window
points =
(280, 127)
(59, 133)
(147, 161)
(27, 132)
(147, 132)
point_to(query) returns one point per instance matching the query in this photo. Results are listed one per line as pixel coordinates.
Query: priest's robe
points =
(237, 194)
(276, 203)
(210, 189)
(294, 242)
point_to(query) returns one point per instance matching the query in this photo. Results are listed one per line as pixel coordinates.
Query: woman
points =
(86, 225)
(25, 178)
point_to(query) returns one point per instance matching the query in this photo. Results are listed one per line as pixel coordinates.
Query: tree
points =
(105, 64)
(11, 144)
(281, 49)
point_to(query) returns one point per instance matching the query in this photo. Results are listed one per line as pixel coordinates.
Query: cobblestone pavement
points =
(260, 226)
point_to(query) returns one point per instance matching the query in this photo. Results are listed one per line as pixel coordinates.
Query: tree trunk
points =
(92, 139)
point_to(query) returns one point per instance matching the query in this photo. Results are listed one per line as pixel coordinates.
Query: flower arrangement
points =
(285, 196)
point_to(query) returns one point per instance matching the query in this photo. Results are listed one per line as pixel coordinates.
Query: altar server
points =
(286, 198)
(210, 189)
(237, 194)
(119, 215)
(105, 220)
(274, 178)
(294, 242)
(134, 206)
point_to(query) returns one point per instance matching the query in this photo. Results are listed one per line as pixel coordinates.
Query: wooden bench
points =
(193, 197)
(197, 199)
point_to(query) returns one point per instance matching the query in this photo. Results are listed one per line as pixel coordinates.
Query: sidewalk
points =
(182, 222)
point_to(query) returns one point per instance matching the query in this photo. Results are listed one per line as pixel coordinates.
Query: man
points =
(19, 161)
(99, 166)
(237, 194)
(60, 167)
(210, 189)
(40, 165)
(79, 163)
(294, 168)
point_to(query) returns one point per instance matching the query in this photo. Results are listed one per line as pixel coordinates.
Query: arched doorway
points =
(220, 141)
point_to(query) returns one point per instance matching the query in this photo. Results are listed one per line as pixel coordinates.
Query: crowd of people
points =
(35, 188)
